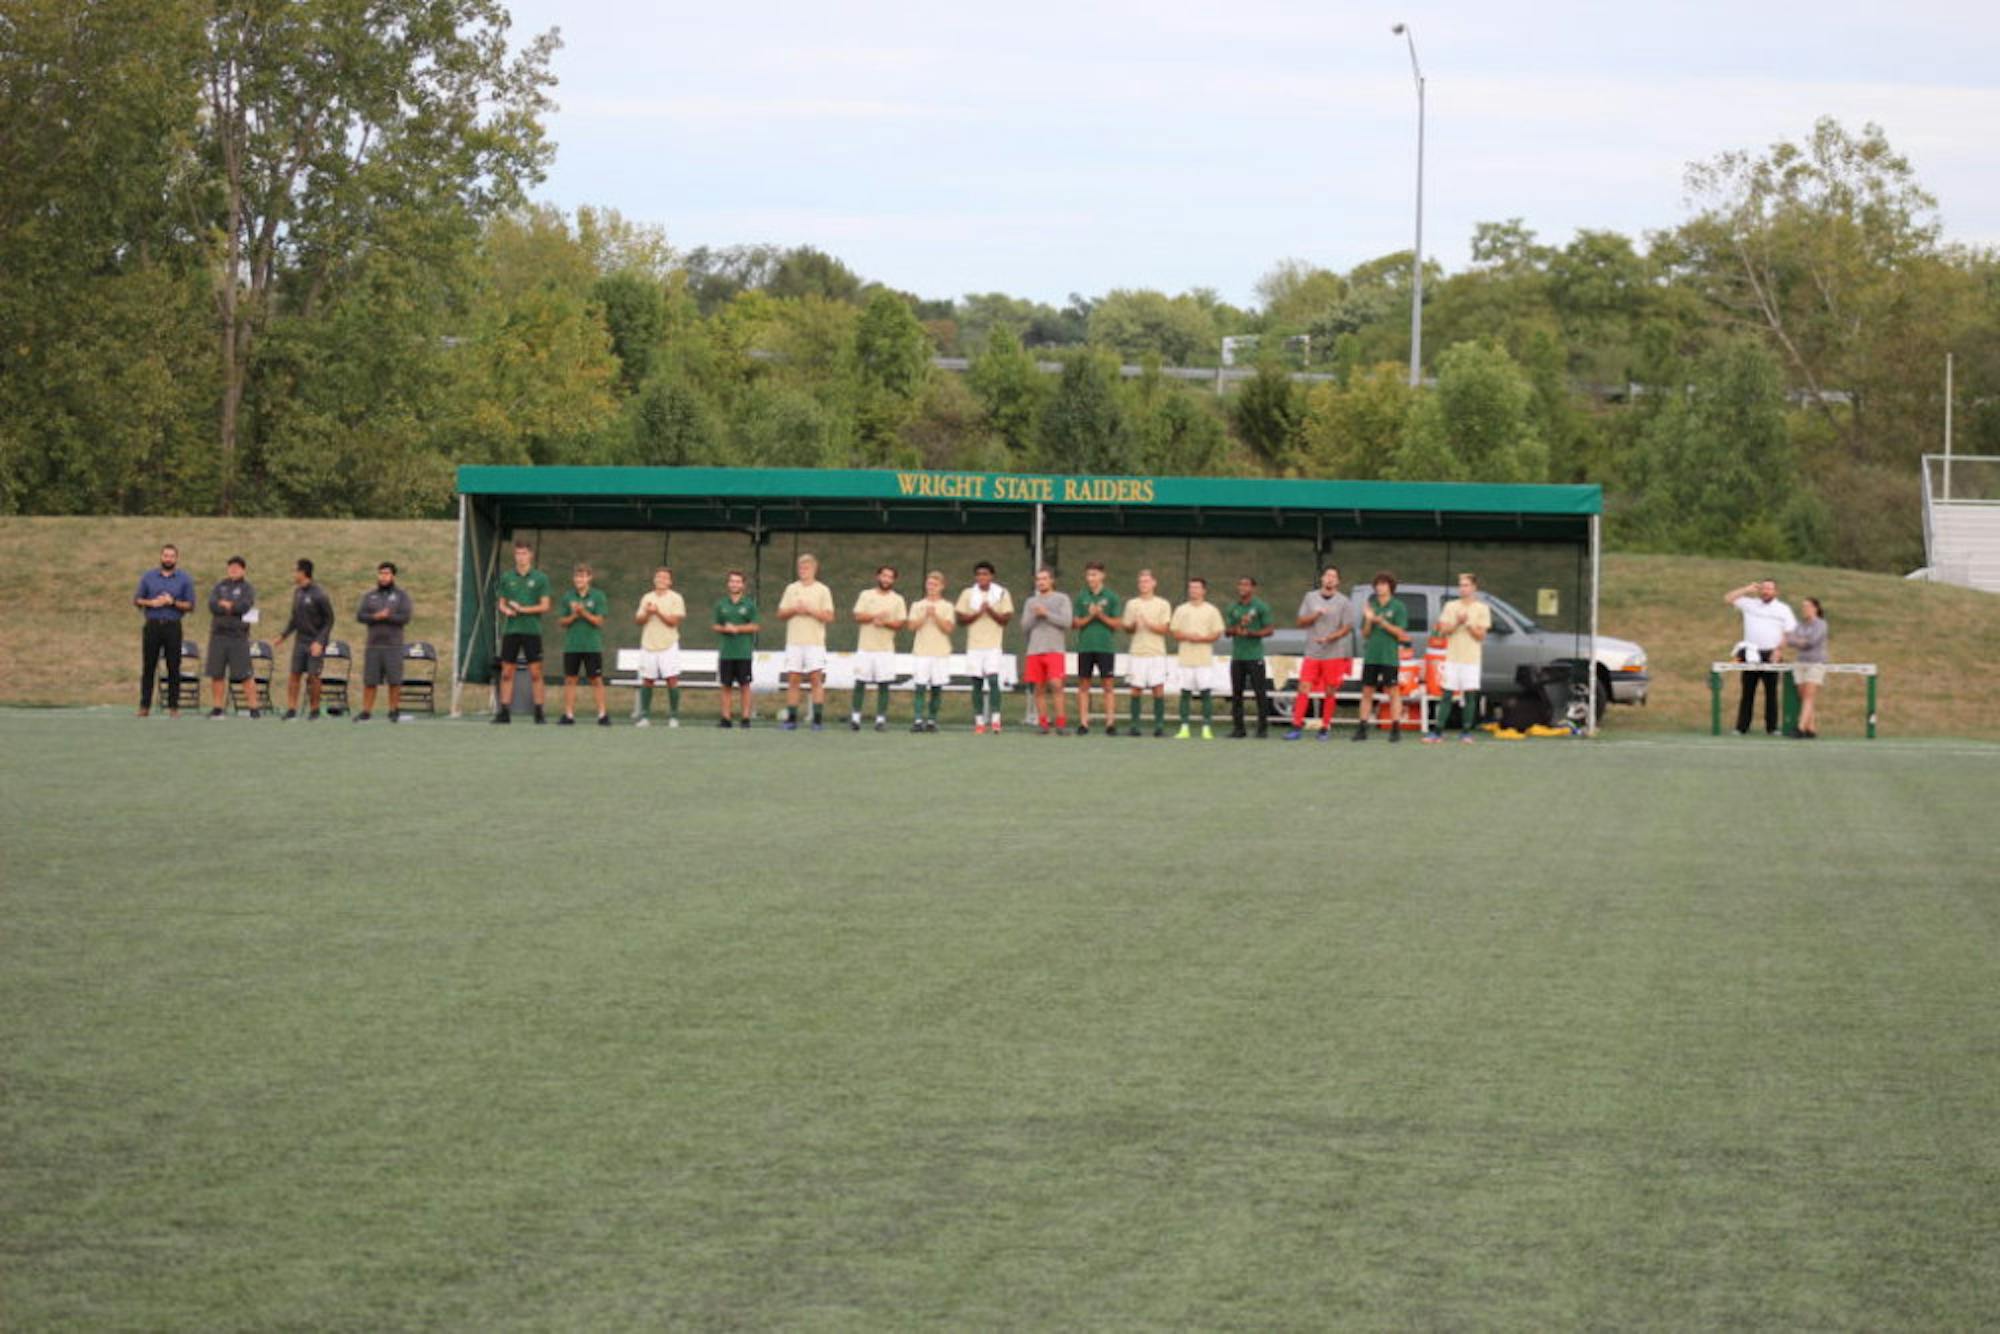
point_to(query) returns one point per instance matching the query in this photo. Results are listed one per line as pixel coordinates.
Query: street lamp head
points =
(1398, 30)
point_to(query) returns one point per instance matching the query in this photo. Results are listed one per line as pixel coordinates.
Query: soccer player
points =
(1464, 623)
(806, 608)
(525, 593)
(385, 610)
(735, 629)
(933, 619)
(1384, 627)
(880, 611)
(1327, 617)
(984, 610)
(1148, 617)
(1046, 618)
(1196, 625)
(164, 595)
(229, 637)
(312, 622)
(1249, 619)
(584, 611)
(660, 614)
(1099, 612)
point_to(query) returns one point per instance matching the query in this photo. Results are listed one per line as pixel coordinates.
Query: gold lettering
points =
(908, 482)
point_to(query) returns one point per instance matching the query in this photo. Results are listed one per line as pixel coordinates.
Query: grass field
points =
(66, 587)
(444, 1026)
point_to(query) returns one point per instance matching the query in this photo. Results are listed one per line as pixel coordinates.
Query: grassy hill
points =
(68, 634)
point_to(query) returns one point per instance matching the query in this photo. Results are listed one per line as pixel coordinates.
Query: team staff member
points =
(1196, 625)
(1046, 618)
(984, 610)
(1099, 613)
(806, 608)
(1327, 617)
(583, 644)
(881, 612)
(1148, 616)
(735, 627)
(933, 620)
(660, 614)
(164, 596)
(524, 596)
(385, 610)
(229, 637)
(1809, 665)
(1385, 629)
(1465, 623)
(312, 622)
(1250, 625)
(1766, 622)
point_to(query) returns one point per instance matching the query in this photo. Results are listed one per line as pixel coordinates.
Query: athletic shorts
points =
(803, 658)
(590, 666)
(304, 663)
(984, 661)
(1046, 668)
(930, 670)
(1323, 674)
(1383, 675)
(513, 648)
(382, 664)
(732, 672)
(874, 668)
(1198, 677)
(1809, 673)
(228, 657)
(1143, 673)
(1096, 664)
(662, 664)
(1460, 676)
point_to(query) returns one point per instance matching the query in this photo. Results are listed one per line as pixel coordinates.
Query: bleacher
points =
(1961, 500)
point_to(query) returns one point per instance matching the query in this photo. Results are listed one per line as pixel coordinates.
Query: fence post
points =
(1714, 702)
(1871, 706)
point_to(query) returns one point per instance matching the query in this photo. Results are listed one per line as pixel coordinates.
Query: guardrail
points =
(1717, 670)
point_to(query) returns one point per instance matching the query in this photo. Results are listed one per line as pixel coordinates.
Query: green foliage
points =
(1084, 427)
(1011, 389)
(671, 425)
(635, 314)
(1478, 426)
(1355, 430)
(1268, 413)
(1181, 329)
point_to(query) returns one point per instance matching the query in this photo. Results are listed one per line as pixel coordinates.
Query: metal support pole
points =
(1596, 573)
(458, 614)
(1871, 706)
(1947, 427)
(1038, 535)
(1417, 260)
(1714, 702)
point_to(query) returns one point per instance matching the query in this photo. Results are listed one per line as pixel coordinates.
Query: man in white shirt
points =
(1766, 622)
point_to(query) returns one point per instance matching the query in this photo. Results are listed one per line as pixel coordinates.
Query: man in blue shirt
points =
(165, 595)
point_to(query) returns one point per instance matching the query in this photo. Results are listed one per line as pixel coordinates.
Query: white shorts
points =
(659, 664)
(1197, 679)
(1145, 673)
(930, 671)
(1460, 676)
(984, 661)
(804, 658)
(874, 668)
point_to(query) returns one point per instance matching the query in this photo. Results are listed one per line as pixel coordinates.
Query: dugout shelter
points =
(1536, 546)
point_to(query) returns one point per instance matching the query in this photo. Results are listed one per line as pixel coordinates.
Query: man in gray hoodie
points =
(229, 637)
(385, 610)
(1046, 617)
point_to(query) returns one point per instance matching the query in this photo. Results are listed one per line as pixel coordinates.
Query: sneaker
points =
(501, 718)
(1207, 732)
(1159, 730)
(1465, 738)
(1183, 734)
(566, 721)
(930, 725)
(789, 725)
(398, 718)
(819, 727)
(1044, 727)
(881, 724)
(854, 723)
(979, 729)
(1062, 725)
(643, 722)
(313, 717)
(1111, 729)
(215, 713)
(1396, 732)
(1296, 734)
(1083, 729)
(743, 724)
(289, 715)
(995, 729)
(256, 714)
(363, 717)
(1361, 732)
(1432, 738)
(1325, 733)
(673, 724)
(917, 726)
(725, 723)
(540, 715)
(1237, 734)
(604, 720)
(1263, 732)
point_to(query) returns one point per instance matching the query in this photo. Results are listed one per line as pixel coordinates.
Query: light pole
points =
(1417, 263)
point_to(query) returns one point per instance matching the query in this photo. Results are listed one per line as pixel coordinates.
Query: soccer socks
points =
(993, 694)
(818, 712)
(1471, 718)
(978, 699)
(882, 699)
(1159, 710)
(673, 702)
(1185, 697)
(1207, 707)
(860, 697)
(1301, 705)
(1135, 711)
(645, 701)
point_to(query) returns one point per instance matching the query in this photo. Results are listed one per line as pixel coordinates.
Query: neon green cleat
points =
(1182, 735)
(1207, 732)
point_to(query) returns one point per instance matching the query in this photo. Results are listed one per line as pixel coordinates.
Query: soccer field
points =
(367, 1028)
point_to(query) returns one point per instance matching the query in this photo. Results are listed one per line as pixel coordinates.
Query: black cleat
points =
(502, 718)
(604, 720)
(564, 721)
(289, 715)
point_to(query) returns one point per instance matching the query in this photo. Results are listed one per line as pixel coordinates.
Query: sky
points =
(1042, 148)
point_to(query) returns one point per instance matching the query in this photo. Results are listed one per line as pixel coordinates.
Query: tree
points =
(892, 361)
(1476, 426)
(635, 312)
(1268, 412)
(1354, 430)
(1011, 389)
(1297, 295)
(1180, 329)
(1083, 428)
(318, 111)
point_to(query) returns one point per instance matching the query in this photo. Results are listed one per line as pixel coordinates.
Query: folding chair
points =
(336, 666)
(263, 665)
(190, 677)
(420, 674)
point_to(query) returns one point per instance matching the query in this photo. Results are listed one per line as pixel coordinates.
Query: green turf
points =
(335, 1027)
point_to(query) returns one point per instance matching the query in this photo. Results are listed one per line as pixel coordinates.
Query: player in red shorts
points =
(1327, 617)
(1046, 617)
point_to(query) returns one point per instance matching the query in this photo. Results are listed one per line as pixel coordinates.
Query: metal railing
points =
(1961, 479)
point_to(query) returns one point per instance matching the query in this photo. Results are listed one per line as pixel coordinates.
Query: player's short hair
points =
(238, 561)
(1096, 565)
(582, 567)
(890, 568)
(934, 574)
(1146, 571)
(522, 544)
(985, 565)
(735, 574)
(805, 556)
(388, 565)
(663, 569)
(1249, 579)
(303, 566)
(168, 546)
(1049, 570)
(1467, 574)
(1197, 579)
(1330, 566)
(1383, 577)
